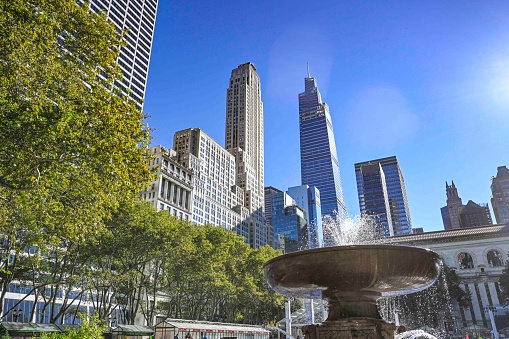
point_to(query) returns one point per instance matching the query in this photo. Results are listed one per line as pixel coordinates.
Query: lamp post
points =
(112, 322)
(16, 314)
(288, 316)
(491, 310)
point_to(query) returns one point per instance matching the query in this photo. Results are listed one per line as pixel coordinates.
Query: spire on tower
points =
(309, 75)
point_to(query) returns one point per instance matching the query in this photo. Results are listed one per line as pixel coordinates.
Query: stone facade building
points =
(478, 255)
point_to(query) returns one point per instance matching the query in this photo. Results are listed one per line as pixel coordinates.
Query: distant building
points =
(456, 215)
(500, 195)
(417, 230)
(371, 188)
(172, 190)
(478, 256)
(374, 200)
(473, 215)
(288, 221)
(318, 155)
(308, 197)
(451, 212)
(216, 198)
(244, 140)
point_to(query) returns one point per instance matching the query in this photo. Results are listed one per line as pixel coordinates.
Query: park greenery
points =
(504, 284)
(72, 162)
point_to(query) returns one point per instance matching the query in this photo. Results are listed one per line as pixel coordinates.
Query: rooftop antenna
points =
(307, 64)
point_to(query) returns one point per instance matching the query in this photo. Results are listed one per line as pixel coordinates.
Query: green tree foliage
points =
(89, 329)
(211, 274)
(69, 144)
(504, 284)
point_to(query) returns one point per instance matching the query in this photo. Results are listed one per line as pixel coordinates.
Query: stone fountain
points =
(352, 278)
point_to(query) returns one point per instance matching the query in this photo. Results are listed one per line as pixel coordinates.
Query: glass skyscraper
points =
(288, 221)
(318, 156)
(308, 197)
(370, 190)
(375, 199)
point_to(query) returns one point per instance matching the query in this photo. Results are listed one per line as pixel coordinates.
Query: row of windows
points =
(493, 257)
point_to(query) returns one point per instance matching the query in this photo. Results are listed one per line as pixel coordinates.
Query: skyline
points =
(441, 69)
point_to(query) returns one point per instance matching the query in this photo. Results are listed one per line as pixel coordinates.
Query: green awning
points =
(133, 330)
(15, 327)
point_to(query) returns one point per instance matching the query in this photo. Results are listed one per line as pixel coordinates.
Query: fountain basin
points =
(353, 277)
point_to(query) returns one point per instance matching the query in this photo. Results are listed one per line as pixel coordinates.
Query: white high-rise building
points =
(216, 198)
(138, 17)
(244, 139)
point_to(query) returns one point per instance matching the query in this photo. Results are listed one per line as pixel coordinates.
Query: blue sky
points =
(426, 81)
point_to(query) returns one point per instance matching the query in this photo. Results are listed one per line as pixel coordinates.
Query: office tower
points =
(138, 18)
(308, 197)
(288, 221)
(473, 215)
(373, 196)
(398, 210)
(500, 195)
(244, 139)
(216, 198)
(172, 190)
(451, 212)
(318, 157)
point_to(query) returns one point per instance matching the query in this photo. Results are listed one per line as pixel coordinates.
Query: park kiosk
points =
(171, 328)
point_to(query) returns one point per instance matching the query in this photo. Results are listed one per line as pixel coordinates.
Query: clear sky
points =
(426, 81)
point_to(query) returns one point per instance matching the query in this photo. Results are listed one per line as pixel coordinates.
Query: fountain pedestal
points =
(352, 278)
(350, 328)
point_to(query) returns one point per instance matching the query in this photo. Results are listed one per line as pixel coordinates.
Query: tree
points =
(69, 143)
(504, 285)
(71, 147)
(89, 329)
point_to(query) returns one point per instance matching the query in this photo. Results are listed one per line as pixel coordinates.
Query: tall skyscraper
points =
(500, 195)
(138, 17)
(451, 212)
(318, 157)
(244, 139)
(397, 212)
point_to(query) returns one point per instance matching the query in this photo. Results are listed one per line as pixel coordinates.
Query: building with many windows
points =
(173, 188)
(137, 18)
(478, 255)
(500, 195)
(396, 208)
(318, 156)
(244, 140)
(374, 200)
(216, 198)
(308, 197)
(451, 212)
(288, 220)
(455, 215)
